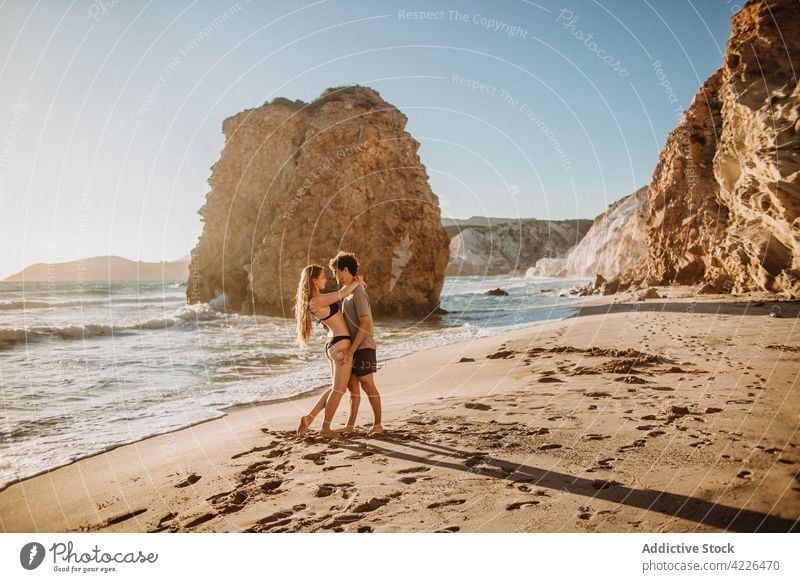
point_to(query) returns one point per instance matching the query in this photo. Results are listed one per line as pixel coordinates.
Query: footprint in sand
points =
(447, 503)
(501, 354)
(634, 445)
(413, 470)
(167, 518)
(477, 406)
(229, 502)
(550, 380)
(375, 503)
(631, 380)
(200, 520)
(254, 450)
(450, 529)
(271, 486)
(190, 480)
(596, 437)
(520, 504)
(342, 519)
(318, 458)
(701, 443)
(125, 516)
(273, 521)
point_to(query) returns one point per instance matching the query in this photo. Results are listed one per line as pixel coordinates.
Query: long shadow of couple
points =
(704, 512)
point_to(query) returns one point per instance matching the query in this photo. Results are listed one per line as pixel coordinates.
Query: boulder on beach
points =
(298, 182)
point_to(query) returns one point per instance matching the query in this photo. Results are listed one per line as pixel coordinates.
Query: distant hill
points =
(107, 268)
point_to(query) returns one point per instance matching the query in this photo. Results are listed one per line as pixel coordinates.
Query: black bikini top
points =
(334, 310)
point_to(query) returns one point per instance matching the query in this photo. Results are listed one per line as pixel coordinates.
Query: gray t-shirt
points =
(354, 307)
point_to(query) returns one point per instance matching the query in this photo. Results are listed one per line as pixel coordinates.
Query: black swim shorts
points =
(364, 362)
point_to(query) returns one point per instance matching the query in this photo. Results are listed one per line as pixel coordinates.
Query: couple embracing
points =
(350, 349)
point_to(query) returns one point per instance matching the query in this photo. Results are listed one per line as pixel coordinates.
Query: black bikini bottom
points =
(336, 339)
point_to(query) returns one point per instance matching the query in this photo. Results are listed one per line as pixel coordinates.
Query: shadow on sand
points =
(722, 517)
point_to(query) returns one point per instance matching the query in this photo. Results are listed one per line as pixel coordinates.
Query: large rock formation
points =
(724, 199)
(615, 244)
(495, 246)
(298, 182)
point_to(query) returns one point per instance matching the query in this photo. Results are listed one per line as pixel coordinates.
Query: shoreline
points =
(225, 410)
(190, 474)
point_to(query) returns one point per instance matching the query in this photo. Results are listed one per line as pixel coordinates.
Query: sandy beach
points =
(678, 414)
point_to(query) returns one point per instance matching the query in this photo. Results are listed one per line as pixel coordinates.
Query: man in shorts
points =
(358, 315)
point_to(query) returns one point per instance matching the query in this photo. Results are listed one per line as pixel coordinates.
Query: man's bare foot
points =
(330, 434)
(376, 429)
(304, 422)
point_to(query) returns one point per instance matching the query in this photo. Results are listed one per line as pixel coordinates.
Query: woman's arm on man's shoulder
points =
(325, 299)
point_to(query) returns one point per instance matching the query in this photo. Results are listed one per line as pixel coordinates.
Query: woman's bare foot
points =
(304, 422)
(376, 429)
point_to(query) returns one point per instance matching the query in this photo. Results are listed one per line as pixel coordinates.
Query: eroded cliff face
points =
(298, 182)
(724, 199)
(757, 163)
(615, 244)
(495, 246)
(686, 219)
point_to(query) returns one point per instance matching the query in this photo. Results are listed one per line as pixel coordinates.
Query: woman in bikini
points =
(325, 308)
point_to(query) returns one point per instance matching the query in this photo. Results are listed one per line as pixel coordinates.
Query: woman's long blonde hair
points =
(301, 311)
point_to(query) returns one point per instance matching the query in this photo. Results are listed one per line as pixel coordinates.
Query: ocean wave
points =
(23, 305)
(12, 336)
(187, 317)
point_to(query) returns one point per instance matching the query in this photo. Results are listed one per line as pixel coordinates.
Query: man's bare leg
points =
(355, 403)
(368, 384)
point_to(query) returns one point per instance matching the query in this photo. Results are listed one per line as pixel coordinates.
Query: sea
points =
(86, 368)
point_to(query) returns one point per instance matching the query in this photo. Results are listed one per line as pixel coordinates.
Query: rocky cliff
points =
(296, 183)
(615, 244)
(724, 199)
(494, 246)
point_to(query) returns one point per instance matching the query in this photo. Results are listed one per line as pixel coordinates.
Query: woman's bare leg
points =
(341, 376)
(305, 421)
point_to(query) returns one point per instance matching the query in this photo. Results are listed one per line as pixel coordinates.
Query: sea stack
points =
(296, 183)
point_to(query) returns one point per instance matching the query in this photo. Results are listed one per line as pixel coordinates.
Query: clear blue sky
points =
(111, 113)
